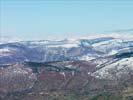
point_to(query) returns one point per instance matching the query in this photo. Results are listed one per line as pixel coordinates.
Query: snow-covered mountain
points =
(85, 64)
(60, 50)
(116, 69)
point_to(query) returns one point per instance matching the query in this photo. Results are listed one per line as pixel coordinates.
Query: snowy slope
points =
(86, 48)
(116, 69)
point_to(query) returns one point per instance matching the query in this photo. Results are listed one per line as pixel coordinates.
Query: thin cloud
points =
(122, 30)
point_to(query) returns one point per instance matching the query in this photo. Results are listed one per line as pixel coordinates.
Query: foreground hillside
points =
(83, 69)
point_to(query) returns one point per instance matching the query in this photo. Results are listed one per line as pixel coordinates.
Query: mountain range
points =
(71, 66)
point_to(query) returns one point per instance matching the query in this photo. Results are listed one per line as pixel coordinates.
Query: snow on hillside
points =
(5, 52)
(115, 69)
(82, 48)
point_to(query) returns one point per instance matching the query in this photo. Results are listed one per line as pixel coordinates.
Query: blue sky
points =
(43, 19)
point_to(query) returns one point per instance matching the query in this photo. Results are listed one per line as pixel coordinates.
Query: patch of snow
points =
(117, 66)
(70, 45)
(69, 66)
(4, 50)
(86, 58)
(113, 52)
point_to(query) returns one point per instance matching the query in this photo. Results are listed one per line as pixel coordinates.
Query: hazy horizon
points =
(29, 20)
